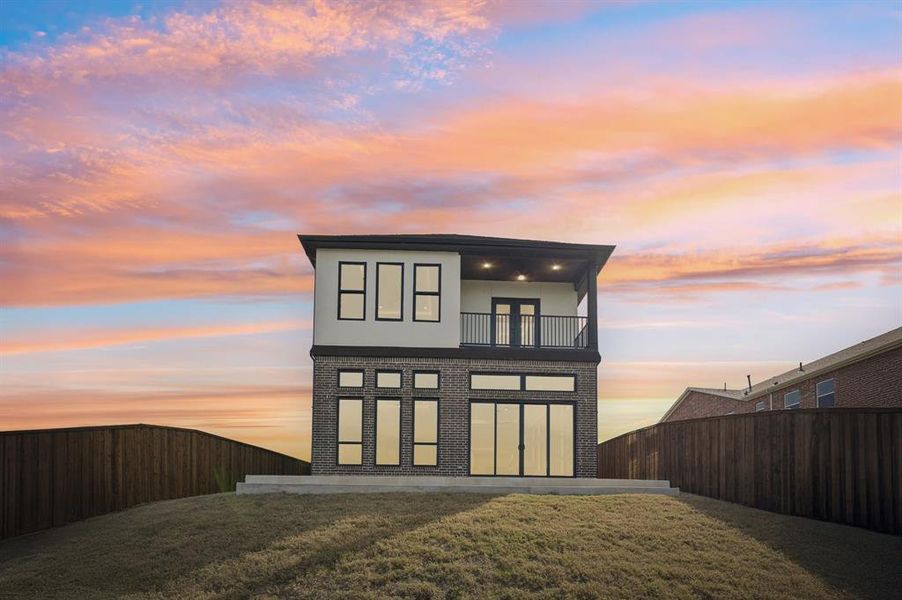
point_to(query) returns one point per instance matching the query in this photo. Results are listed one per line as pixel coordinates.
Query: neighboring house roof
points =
(877, 345)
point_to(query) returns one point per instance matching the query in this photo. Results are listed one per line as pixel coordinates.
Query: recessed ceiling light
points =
(521, 277)
(486, 265)
(555, 267)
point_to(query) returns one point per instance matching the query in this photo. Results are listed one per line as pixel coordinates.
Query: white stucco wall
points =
(329, 330)
(554, 298)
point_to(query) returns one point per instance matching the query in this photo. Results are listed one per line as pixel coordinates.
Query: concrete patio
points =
(363, 484)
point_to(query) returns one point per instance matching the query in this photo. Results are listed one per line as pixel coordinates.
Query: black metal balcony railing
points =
(523, 331)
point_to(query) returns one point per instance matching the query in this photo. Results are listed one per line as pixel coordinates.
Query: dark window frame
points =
(514, 322)
(437, 294)
(521, 403)
(376, 429)
(523, 377)
(437, 373)
(338, 440)
(345, 387)
(413, 432)
(400, 294)
(341, 291)
(400, 379)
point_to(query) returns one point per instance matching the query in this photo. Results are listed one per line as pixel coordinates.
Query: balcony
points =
(524, 331)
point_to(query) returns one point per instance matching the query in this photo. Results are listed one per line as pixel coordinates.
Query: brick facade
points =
(454, 397)
(874, 382)
(696, 405)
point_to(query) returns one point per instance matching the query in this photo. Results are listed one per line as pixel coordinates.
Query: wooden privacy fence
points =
(51, 477)
(842, 465)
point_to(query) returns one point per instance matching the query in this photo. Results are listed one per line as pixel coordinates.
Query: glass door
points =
(521, 439)
(535, 439)
(507, 439)
(515, 322)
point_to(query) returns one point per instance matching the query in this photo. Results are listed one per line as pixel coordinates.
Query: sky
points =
(157, 161)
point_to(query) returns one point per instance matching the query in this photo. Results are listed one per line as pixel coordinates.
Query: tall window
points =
(425, 433)
(427, 290)
(352, 291)
(389, 291)
(826, 394)
(793, 399)
(388, 432)
(350, 431)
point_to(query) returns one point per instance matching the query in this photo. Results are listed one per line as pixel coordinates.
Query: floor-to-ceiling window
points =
(521, 438)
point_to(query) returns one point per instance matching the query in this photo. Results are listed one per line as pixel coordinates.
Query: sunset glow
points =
(156, 164)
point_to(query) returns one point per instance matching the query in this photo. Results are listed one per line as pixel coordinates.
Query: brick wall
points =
(454, 397)
(875, 382)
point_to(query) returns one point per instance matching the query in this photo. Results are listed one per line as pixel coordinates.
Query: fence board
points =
(52, 477)
(837, 464)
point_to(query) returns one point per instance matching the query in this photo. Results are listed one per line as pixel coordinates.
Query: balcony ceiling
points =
(531, 268)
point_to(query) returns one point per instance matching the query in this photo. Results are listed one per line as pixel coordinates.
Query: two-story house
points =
(454, 355)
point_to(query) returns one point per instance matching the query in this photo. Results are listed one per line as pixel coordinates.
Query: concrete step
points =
(442, 480)
(338, 484)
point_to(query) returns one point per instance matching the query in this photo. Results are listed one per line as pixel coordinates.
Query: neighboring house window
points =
(427, 290)
(792, 399)
(350, 379)
(350, 431)
(388, 432)
(389, 291)
(760, 405)
(426, 380)
(388, 379)
(425, 433)
(352, 291)
(826, 394)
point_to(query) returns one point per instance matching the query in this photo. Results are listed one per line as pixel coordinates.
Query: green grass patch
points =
(450, 546)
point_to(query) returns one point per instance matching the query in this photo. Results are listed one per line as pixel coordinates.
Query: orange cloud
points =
(741, 268)
(80, 340)
(236, 39)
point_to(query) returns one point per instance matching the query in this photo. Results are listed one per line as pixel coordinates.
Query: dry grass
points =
(451, 546)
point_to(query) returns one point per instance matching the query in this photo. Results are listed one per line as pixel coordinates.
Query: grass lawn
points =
(450, 546)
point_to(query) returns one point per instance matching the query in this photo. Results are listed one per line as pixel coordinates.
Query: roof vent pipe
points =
(800, 367)
(749, 377)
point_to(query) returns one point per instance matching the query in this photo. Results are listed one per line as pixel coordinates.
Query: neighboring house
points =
(868, 374)
(454, 355)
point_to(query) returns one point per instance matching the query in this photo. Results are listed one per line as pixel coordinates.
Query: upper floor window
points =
(389, 291)
(792, 399)
(826, 394)
(760, 405)
(352, 291)
(427, 289)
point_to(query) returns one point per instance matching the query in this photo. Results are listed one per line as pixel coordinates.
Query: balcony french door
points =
(521, 439)
(515, 322)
